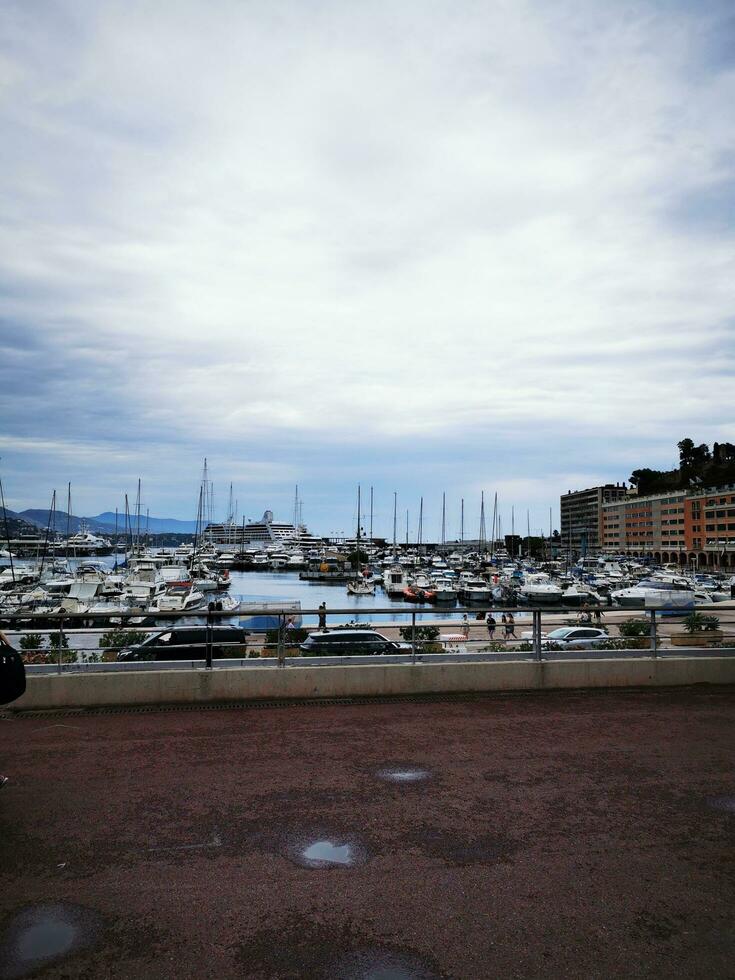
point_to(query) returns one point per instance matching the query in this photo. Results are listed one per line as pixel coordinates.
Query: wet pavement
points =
(571, 835)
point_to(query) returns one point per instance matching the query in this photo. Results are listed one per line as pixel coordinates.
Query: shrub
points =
(117, 638)
(696, 622)
(624, 643)
(59, 649)
(635, 627)
(291, 638)
(31, 641)
(424, 634)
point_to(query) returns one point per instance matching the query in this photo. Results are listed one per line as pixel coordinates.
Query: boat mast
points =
(357, 538)
(371, 515)
(68, 518)
(461, 523)
(395, 516)
(420, 535)
(406, 526)
(128, 529)
(7, 530)
(51, 519)
(495, 525)
(137, 520)
(444, 518)
(483, 532)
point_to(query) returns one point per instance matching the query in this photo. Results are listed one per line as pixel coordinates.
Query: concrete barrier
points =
(151, 687)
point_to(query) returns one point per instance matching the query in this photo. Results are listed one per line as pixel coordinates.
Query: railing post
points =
(209, 636)
(413, 637)
(654, 635)
(537, 634)
(280, 651)
(61, 642)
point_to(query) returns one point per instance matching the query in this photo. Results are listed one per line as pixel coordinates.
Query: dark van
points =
(188, 643)
(340, 643)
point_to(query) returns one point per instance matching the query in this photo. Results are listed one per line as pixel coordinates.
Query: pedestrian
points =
(323, 617)
(510, 626)
(586, 616)
(491, 624)
(598, 616)
(466, 626)
(504, 621)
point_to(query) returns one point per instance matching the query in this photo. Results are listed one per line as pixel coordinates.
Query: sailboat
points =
(359, 585)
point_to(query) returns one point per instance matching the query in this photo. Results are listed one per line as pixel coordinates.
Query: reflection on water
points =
(401, 774)
(325, 850)
(43, 934)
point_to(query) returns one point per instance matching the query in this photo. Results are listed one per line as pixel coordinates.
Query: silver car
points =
(576, 637)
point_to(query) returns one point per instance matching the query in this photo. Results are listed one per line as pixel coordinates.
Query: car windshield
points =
(560, 633)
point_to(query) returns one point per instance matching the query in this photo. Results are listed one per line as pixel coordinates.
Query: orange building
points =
(684, 527)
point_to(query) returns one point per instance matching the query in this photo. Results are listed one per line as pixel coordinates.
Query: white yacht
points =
(395, 580)
(654, 591)
(539, 589)
(473, 590)
(444, 590)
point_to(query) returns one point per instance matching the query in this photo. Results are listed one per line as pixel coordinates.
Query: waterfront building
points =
(685, 527)
(581, 516)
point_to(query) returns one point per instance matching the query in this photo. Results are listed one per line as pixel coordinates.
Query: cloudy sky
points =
(414, 244)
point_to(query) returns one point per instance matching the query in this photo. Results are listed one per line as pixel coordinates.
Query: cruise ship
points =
(262, 533)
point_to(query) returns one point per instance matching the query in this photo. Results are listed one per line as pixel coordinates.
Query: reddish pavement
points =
(561, 835)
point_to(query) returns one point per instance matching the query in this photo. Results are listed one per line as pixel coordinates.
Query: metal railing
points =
(65, 627)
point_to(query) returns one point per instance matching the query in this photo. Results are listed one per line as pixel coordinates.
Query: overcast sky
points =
(416, 244)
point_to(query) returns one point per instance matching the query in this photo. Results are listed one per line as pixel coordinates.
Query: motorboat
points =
(178, 598)
(444, 590)
(360, 586)
(578, 595)
(655, 592)
(473, 590)
(539, 589)
(395, 580)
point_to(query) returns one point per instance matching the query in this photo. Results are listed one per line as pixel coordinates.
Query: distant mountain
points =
(156, 525)
(61, 521)
(16, 526)
(105, 523)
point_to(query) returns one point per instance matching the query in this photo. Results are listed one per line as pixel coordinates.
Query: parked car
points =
(341, 643)
(188, 643)
(576, 637)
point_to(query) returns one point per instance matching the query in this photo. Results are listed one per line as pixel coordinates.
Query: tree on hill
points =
(697, 467)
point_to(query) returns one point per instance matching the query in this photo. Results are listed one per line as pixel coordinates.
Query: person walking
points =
(466, 626)
(323, 616)
(510, 626)
(504, 622)
(491, 624)
(598, 616)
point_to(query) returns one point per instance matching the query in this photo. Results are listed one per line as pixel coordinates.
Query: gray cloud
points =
(315, 241)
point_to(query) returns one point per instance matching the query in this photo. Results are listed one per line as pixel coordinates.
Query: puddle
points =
(404, 774)
(328, 853)
(378, 964)
(335, 851)
(723, 803)
(44, 934)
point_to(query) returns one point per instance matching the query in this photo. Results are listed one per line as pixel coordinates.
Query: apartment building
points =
(684, 526)
(581, 517)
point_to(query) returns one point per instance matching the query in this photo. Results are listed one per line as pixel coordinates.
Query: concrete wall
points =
(256, 683)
